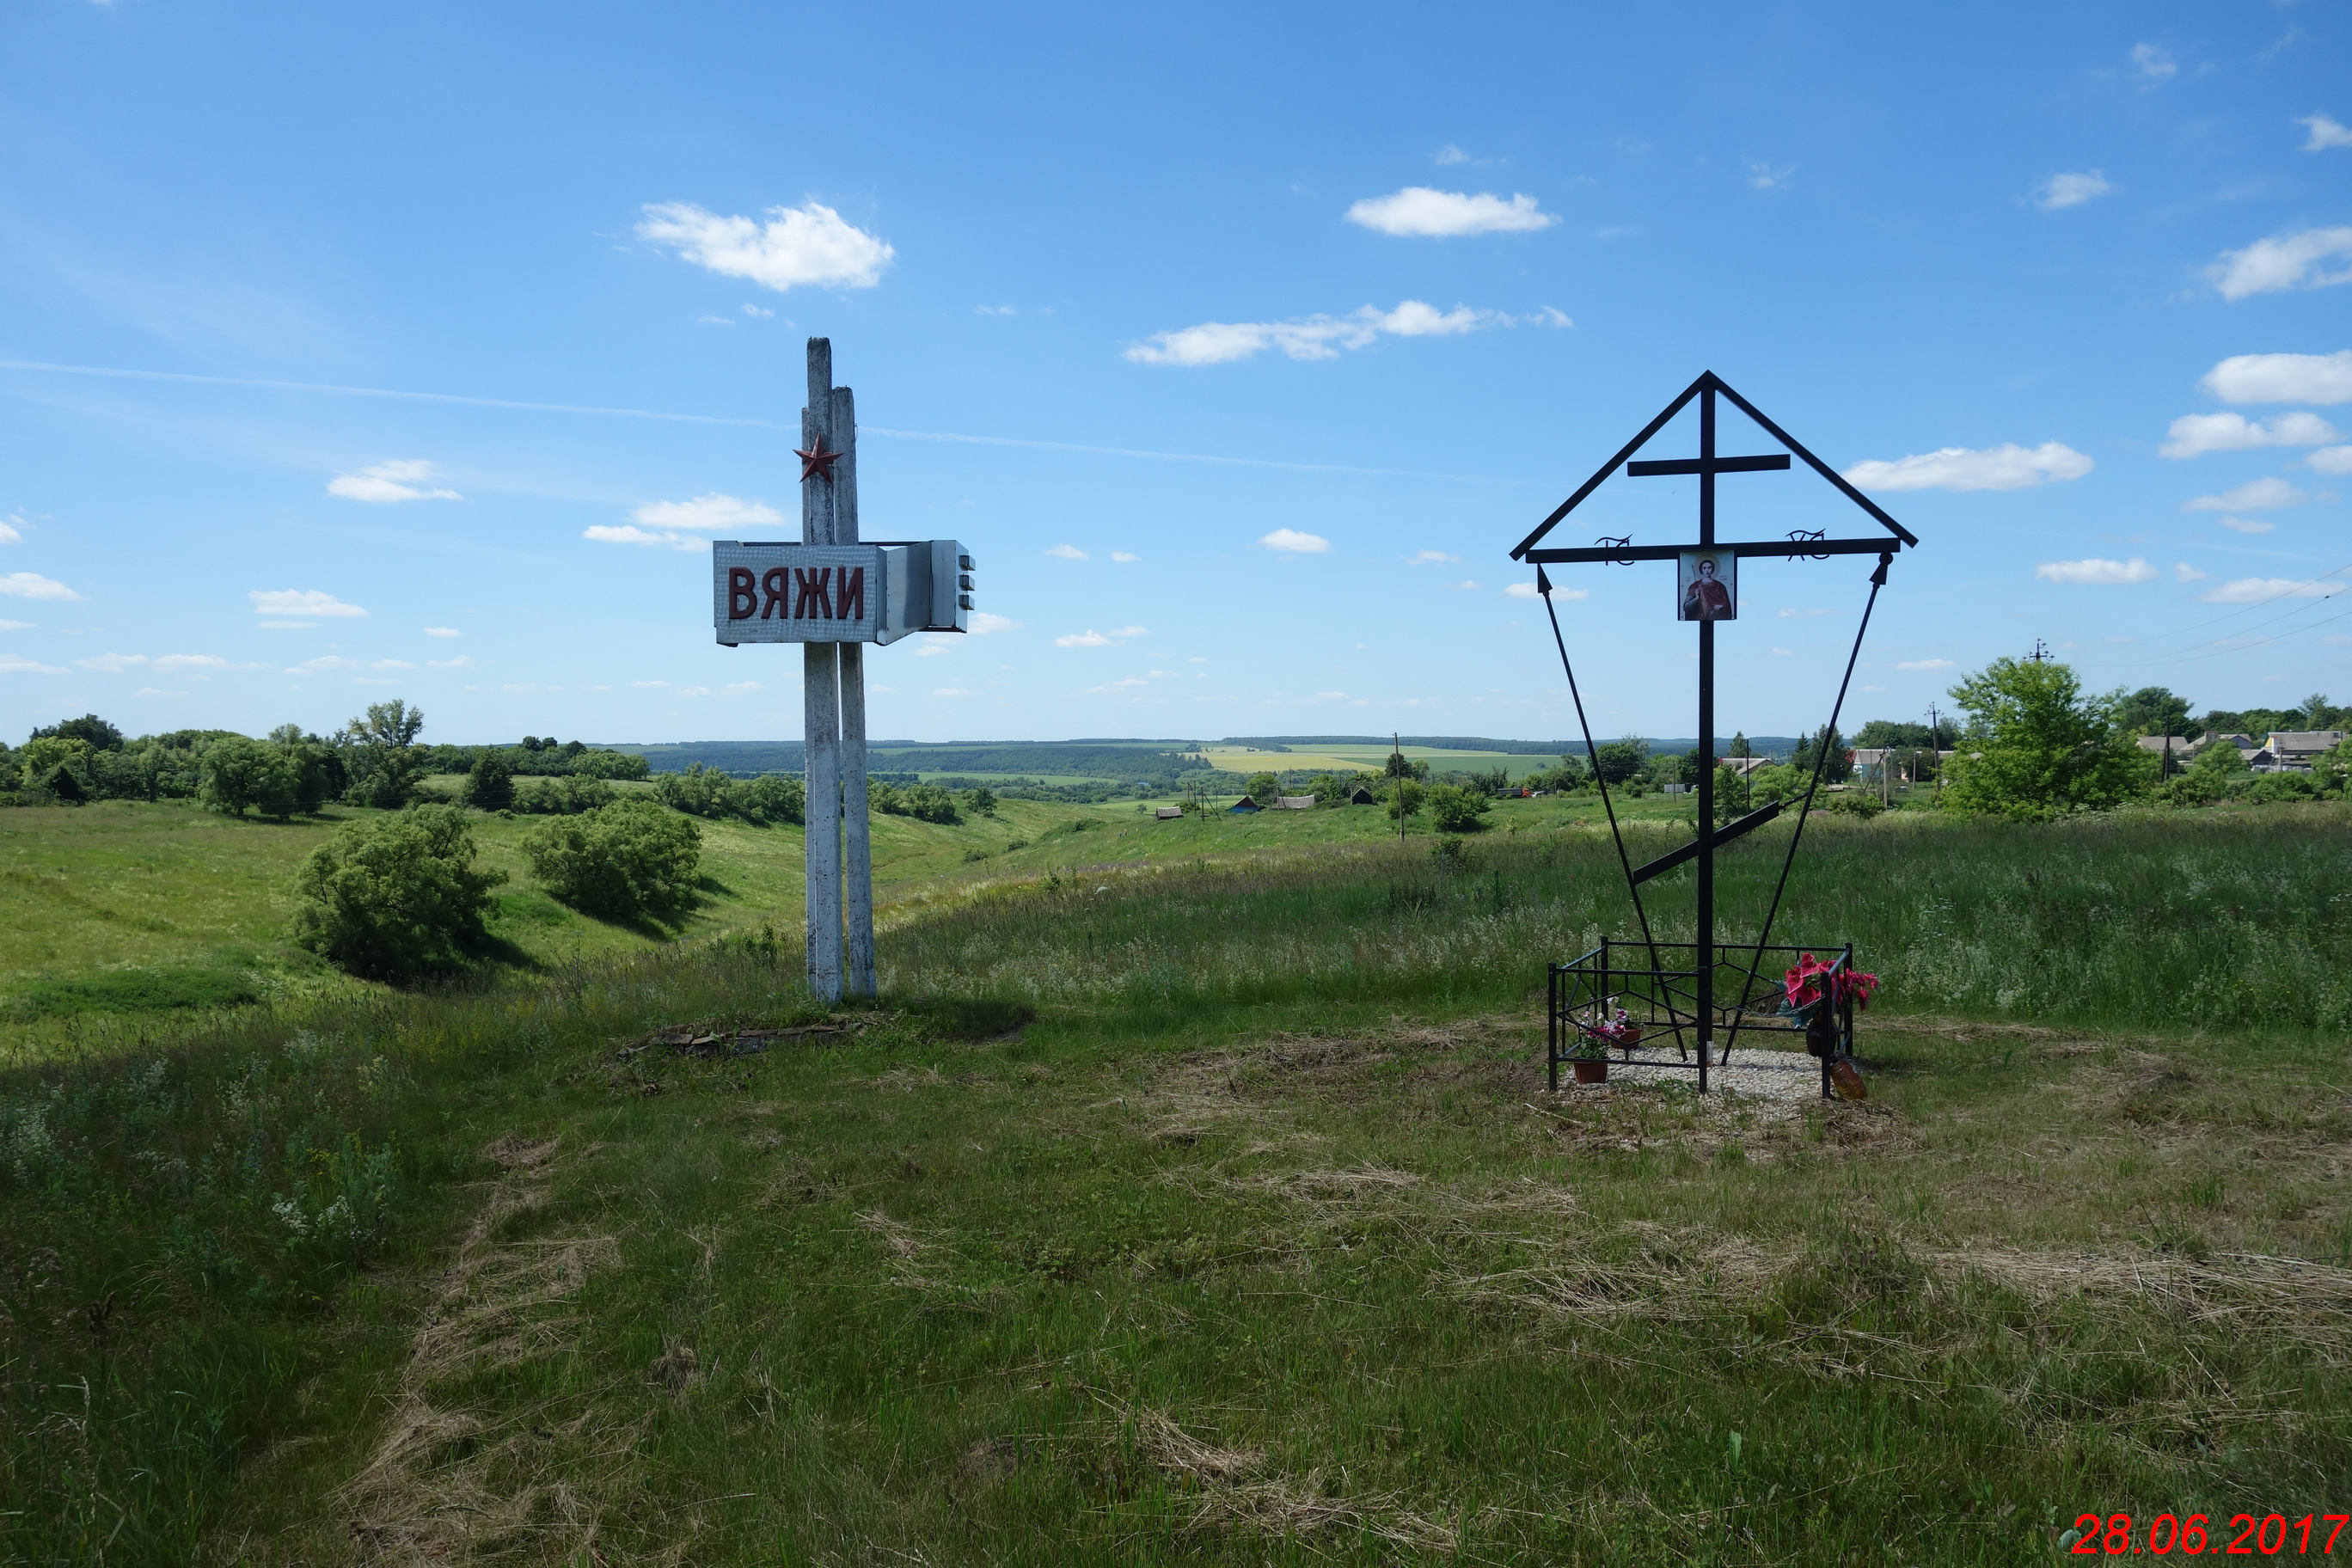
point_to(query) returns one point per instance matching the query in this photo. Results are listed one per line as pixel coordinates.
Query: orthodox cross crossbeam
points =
(1707, 595)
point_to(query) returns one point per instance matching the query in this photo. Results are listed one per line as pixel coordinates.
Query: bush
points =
(770, 799)
(1453, 809)
(394, 896)
(983, 802)
(923, 802)
(698, 791)
(563, 796)
(491, 785)
(237, 773)
(1853, 803)
(635, 857)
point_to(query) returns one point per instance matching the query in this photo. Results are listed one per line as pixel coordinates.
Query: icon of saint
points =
(1707, 598)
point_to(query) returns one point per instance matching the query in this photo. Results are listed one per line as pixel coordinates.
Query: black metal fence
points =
(1656, 986)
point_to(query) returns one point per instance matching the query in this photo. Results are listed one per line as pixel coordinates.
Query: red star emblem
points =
(819, 461)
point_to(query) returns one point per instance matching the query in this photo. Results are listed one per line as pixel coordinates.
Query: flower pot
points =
(1591, 1072)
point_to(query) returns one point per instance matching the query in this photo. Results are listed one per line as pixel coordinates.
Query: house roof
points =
(2306, 740)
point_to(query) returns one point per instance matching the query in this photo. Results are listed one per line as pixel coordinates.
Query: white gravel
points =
(1770, 1075)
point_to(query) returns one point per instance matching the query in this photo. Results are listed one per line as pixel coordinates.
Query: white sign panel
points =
(805, 592)
(838, 593)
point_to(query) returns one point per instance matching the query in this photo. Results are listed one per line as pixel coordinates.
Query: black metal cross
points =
(1706, 466)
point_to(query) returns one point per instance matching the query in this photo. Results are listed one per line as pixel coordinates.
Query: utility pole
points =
(1935, 744)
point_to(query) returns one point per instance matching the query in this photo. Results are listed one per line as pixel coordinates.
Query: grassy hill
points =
(1193, 1195)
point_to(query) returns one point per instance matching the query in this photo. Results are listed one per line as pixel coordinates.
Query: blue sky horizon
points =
(423, 354)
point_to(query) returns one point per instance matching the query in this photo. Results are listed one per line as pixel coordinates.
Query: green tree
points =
(1405, 796)
(1730, 795)
(2153, 710)
(57, 765)
(771, 798)
(983, 801)
(95, 732)
(1399, 766)
(635, 857)
(237, 772)
(700, 791)
(2037, 747)
(1454, 809)
(1263, 788)
(393, 897)
(1840, 766)
(491, 785)
(1739, 747)
(1621, 759)
(382, 754)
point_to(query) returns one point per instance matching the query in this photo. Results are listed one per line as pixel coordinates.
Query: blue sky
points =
(1239, 345)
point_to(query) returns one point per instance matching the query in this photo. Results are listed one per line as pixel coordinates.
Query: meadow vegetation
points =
(1209, 1208)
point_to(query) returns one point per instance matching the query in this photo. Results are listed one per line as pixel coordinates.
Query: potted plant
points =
(1589, 1057)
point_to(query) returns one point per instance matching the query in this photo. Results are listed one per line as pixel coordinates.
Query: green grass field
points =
(1193, 1196)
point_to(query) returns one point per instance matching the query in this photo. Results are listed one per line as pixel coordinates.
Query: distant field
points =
(1345, 759)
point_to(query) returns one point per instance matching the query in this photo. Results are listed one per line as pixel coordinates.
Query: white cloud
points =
(197, 661)
(630, 534)
(2154, 64)
(1465, 583)
(1765, 176)
(286, 626)
(1122, 557)
(326, 661)
(713, 512)
(8, 534)
(1790, 613)
(1067, 553)
(936, 647)
(1528, 591)
(808, 244)
(11, 664)
(1093, 639)
(443, 632)
(2184, 572)
(758, 312)
(950, 691)
(1322, 337)
(33, 585)
(2261, 590)
(1429, 558)
(740, 689)
(2060, 190)
(983, 623)
(1785, 652)
(8, 625)
(1128, 684)
(2004, 468)
(301, 601)
(2283, 261)
(392, 664)
(646, 685)
(112, 663)
(1450, 153)
(2326, 133)
(1926, 664)
(387, 483)
(2096, 571)
(2254, 495)
(463, 662)
(156, 691)
(2194, 435)
(2247, 525)
(995, 310)
(716, 320)
(2330, 460)
(2282, 378)
(1421, 211)
(1292, 542)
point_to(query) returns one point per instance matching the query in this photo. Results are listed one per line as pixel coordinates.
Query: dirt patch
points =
(439, 1488)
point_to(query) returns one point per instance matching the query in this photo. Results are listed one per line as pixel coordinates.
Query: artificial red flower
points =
(1803, 987)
